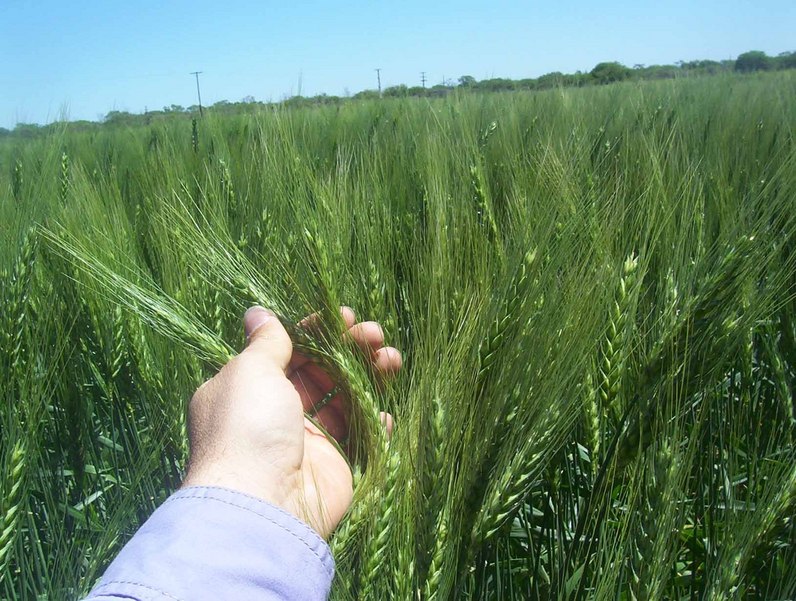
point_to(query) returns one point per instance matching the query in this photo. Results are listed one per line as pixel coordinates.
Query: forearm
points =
(213, 543)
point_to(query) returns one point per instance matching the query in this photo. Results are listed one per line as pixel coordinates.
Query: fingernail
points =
(254, 318)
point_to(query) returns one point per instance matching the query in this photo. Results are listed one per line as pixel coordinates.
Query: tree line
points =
(603, 73)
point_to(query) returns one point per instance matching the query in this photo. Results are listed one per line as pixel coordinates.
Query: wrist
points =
(279, 491)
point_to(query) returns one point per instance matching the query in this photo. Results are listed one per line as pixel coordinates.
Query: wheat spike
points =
(18, 303)
(377, 551)
(65, 174)
(11, 509)
(17, 181)
(195, 135)
(437, 580)
(614, 348)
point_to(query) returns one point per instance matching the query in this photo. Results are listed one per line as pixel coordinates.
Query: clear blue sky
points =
(83, 59)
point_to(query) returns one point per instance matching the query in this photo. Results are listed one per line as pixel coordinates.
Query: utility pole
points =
(378, 79)
(423, 78)
(198, 93)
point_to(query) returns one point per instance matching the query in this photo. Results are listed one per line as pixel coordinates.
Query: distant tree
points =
(754, 60)
(576, 79)
(786, 60)
(438, 90)
(4, 132)
(467, 81)
(366, 95)
(610, 72)
(710, 67)
(496, 84)
(323, 99)
(174, 108)
(525, 84)
(295, 101)
(120, 118)
(707, 64)
(84, 125)
(248, 100)
(399, 91)
(27, 130)
(659, 72)
(550, 80)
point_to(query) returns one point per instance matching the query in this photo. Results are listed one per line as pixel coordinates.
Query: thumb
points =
(267, 338)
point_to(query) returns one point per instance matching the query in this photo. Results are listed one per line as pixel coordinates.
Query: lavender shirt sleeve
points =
(213, 543)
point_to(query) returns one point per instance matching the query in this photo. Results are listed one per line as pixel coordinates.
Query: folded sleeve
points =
(213, 543)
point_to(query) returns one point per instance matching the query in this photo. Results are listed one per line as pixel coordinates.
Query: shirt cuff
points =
(214, 543)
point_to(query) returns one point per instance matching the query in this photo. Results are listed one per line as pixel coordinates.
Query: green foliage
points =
(399, 91)
(593, 288)
(610, 72)
(786, 60)
(754, 60)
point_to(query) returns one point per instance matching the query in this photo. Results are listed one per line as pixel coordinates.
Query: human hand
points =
(247, 427)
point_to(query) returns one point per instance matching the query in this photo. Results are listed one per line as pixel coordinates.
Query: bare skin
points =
(247, 427)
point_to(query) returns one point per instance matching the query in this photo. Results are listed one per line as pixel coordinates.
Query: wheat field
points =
(593, 290)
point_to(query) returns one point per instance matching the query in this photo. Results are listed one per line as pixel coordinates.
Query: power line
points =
(378, 79)
(423, 78)
(198, 93)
